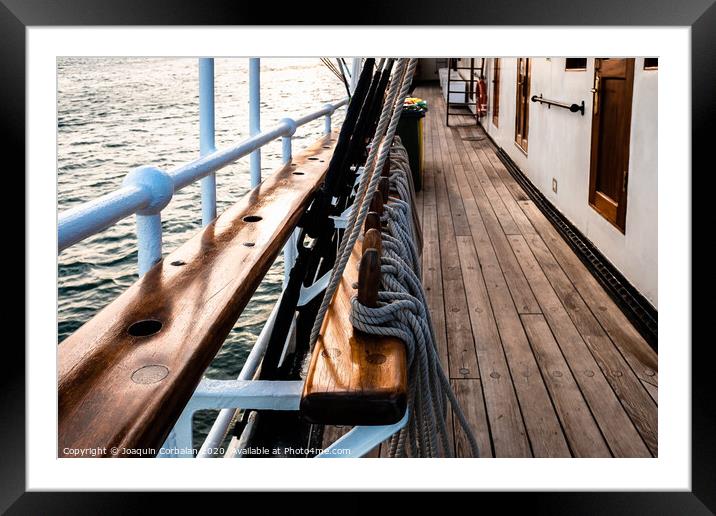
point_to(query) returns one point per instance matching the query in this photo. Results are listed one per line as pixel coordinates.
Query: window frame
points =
(575, 69)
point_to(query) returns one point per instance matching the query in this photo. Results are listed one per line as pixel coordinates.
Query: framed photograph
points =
(429, 231)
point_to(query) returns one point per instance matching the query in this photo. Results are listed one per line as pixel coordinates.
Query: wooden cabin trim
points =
(125, 391)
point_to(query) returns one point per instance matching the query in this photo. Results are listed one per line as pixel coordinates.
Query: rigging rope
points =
(402, 312)
(402, 308)
(368, 183)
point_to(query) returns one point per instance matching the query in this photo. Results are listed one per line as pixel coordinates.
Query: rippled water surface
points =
(114, 114)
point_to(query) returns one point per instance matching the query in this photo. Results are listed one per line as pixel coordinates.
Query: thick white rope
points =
(402, 312)
(368, 184)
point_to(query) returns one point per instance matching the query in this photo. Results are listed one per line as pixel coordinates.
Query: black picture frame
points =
(17, 15)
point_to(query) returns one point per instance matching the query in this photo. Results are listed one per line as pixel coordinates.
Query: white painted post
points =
(206, 136)
(149, 241)
(255, 116)
(286, 149)
(159, 189)
(289, 250)
(327, 124)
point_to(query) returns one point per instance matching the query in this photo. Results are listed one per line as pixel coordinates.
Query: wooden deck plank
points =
(509, 227)
(652, 390)
(507, 426)
(522, 294)
(449, 161)
(469, 395)
(431, 265)
(583, 434)
(617, 427)
(519, 217)
(513, 186)
(471, 184)
(641, 357)
(492, 299)
(635, 399)
(433, 282)
(461, 348)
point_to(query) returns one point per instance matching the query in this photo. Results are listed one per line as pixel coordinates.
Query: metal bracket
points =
(341, 221)
(309, 293)
(361, 440)
(229, 394)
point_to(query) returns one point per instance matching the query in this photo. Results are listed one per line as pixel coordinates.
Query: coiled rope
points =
(402, 312)
(402, 308)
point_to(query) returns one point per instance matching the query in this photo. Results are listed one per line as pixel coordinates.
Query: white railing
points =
(146, 191)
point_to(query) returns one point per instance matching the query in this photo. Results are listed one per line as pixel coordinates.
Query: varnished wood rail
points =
(125, 376)
(355, 378)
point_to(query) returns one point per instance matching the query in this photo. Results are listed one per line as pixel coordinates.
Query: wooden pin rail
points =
(355, 378)
(126, 375)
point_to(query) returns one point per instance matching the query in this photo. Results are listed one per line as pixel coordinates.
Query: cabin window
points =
(496, 95)
(575, 64)
(651, 63)
(523, 103)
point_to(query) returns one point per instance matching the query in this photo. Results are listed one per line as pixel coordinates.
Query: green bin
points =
(410, 130)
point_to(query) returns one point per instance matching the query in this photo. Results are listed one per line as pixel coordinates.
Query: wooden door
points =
(523, 98)
(611, 132)
(496, 94)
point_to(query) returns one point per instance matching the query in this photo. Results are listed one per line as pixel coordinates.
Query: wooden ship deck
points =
(543, 362)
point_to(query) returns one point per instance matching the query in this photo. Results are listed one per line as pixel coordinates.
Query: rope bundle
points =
(402, 313)
(401, 310)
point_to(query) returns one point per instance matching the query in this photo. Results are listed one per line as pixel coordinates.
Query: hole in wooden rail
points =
(298, 173)
(251, 218)
(144, 328)
(331, 352)
(178, 263)
(376, 358)
(326, 146)
(249, 244)
(313, 158)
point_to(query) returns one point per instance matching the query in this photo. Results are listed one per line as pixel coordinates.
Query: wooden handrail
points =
(125, 376)
(355, 378)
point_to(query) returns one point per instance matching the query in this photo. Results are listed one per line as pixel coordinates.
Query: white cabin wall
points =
(559, 144)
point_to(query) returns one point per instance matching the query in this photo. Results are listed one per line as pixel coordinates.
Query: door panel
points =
(611, 123)
(523, 98)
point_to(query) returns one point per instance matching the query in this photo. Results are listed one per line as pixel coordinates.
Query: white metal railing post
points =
(149, 241)
(327, 124)
(159, 188)
(206, 136)
(134, 196)
(286, 149)
(289, 250)
(255, 116)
